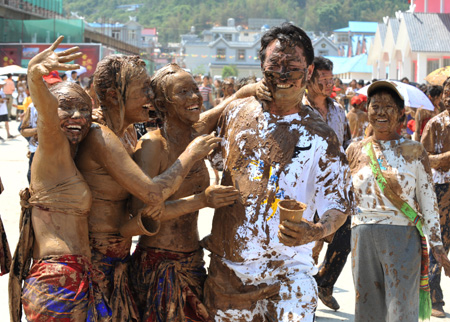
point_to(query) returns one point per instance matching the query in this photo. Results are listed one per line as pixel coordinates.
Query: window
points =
(432, 64)
(240, 55)
(221, 54)
(257, 55)
(323, 52)
(116, 34)
(446, 61)
(132, 34)
(227, 37)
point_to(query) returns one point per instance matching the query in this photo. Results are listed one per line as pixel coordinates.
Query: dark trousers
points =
(30, 161)
(336, 257)
(443, 199)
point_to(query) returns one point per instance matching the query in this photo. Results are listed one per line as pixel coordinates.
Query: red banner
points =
(20, 54)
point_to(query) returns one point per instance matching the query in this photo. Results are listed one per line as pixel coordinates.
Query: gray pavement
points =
(13, 168)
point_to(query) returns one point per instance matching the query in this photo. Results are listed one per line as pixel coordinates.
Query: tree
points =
(228, 71)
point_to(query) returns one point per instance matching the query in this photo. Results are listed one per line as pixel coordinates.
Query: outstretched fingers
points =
(69, 58)
(56, 43)
(68, 51)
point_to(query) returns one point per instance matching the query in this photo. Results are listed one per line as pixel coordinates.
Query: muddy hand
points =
(153, 212)
(295, 234)
(48, 60)
(441, 257)
(262, 91)
(220, 196)
(202, 145)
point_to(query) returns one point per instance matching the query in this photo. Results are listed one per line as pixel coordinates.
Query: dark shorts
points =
(4, 118)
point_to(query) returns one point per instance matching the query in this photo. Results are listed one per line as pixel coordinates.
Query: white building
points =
(411, 45)
(225, 45)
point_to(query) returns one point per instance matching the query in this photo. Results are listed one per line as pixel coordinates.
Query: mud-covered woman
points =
(397, 208)
(54, 223)
(123, 89)
(167, 269)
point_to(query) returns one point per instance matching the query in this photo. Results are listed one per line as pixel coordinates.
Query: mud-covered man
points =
(262, 270)
(436, 140)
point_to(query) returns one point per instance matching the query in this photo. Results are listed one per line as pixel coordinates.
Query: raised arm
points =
(106, 150)
(208, 120)
(51, 138)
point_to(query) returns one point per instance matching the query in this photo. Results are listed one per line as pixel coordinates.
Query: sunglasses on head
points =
(294, 75)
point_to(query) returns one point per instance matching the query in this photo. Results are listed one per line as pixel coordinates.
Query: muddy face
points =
(138, 96)
(322, 84)
(75, 118)
(384, 115)
(184, 98)
(285, 70)
(446, 97)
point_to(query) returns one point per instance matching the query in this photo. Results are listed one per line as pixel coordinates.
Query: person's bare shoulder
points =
(411, 150)
(151, 152)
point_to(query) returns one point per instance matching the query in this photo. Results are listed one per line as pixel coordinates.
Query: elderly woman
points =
(54, 232)
(122, 86)
(396, 207)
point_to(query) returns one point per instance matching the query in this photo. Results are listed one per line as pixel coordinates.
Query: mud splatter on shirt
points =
(406, 167)
(269, 158)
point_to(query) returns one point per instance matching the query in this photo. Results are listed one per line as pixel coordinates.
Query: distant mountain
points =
(175, 17)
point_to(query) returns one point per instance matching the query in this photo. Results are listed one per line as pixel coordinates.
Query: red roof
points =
(148, 32)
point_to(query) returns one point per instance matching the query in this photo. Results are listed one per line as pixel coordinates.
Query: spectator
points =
(8, 89)
(206, 91)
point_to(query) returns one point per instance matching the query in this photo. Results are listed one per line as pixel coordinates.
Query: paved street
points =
(13, 167)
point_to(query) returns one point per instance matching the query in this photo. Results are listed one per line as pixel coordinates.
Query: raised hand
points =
(200, 147)
(48, 60)
(220, 196)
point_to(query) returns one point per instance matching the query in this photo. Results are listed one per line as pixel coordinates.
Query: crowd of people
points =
(373, 173)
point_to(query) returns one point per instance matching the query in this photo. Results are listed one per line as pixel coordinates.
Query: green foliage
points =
(175, 17)
(228, 71)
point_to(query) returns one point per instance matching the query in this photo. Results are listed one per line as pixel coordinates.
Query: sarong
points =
(21, 263)
(5, 253)
(60, 288)
(167, 285)
(110, 255)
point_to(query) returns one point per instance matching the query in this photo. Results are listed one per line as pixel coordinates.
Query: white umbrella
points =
(12, 69)
(413, 96)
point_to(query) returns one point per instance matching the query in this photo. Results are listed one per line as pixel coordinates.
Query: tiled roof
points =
(382, 28)
(395, 25)
(428, 32)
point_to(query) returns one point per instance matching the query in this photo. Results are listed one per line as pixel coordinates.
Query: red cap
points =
(356, 100)
(336, 89)
(363, 97)
(333, 95)
(52, 78)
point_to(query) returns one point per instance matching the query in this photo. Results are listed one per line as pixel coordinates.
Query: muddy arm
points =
(208, 120)
(295, 234)
(49, 130)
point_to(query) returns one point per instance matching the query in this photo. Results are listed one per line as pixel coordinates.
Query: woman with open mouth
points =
(55, 209)
(122, 86)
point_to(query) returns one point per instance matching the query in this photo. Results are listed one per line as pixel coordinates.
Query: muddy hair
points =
(397, 99)
(321, 63)
(116, 72)
(159, 87)
(447, 82)
(288, 35)
(64, 93)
